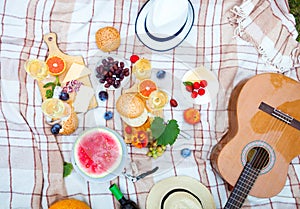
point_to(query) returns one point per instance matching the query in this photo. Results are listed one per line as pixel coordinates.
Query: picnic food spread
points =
(99, 103)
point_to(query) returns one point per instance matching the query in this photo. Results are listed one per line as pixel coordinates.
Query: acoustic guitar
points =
(263, 137)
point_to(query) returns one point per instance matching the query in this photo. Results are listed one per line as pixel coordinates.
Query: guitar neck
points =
(242, 187)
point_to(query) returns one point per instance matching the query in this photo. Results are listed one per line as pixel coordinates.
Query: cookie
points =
(69, 204)
(108, 39)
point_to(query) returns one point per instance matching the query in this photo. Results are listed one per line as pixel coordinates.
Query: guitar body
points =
(251, 128)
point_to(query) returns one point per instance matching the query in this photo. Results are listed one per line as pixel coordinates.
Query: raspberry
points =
(201, 92)
(134, 58)
(203, 83)
(196, 85)
(194, 94)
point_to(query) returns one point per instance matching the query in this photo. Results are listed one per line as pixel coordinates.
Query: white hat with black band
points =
(179, 192)
(162, 25)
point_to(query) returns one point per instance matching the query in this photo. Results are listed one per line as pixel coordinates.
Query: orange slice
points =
(56, 65)
(146, 87)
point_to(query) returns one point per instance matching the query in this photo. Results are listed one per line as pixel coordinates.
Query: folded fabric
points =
(257, 23)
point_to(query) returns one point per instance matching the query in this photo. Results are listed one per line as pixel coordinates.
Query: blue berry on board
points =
(160, 74)
(103, 95)
(64, 96)
(108, 115)
(186, 152)
(55, 128)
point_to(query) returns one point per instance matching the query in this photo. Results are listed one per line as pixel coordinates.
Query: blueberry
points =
(108, 115)
(64, 96)
(55, 128)
(160, 74)
(103, 95)
(186, 152)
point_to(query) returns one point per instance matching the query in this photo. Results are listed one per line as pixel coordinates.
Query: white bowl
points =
(98, 146)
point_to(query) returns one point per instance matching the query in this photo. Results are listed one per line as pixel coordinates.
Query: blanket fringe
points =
(237, 18)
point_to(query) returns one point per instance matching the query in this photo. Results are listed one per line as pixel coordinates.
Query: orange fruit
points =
(69, 204)
(191, 116)
(146, 87)
(56, 65)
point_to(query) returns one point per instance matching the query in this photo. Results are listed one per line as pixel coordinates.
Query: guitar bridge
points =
(279, 115)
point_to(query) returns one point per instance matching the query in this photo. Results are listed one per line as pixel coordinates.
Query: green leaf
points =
(164, 133)
(68, 167)
(49, 93)
(157, 127)
(188, 83)
(49, 84)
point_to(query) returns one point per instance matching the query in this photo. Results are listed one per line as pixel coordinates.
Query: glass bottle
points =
(125, 203)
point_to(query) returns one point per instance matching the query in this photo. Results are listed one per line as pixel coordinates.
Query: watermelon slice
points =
(98, 153)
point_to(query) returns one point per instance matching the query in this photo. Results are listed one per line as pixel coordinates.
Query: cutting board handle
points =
(51, 41)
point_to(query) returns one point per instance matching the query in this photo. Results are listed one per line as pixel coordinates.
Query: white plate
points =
(211, 90)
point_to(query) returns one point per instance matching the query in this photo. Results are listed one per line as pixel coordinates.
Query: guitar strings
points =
(246, 187)
(261, 158)
(274, 133)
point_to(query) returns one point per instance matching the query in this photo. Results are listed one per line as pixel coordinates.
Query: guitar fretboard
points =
(242, 187)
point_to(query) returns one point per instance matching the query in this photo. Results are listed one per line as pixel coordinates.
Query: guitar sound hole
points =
(258, 157)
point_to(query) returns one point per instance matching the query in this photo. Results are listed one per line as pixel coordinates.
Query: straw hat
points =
(162, 25)
(180, 192)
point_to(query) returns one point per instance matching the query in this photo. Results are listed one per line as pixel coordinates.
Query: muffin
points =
(108, 39)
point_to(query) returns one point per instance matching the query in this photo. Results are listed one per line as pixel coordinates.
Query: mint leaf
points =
(49, 93)
(188, 83)
(49, 84)
(68, 167)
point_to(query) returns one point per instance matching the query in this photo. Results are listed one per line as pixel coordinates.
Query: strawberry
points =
(134, 58)
(201, 92)
(194, 94)
(189, 88)
(196, 85)
(203, 83)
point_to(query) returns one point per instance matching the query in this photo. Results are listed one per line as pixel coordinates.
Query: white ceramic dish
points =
(211, 90)
(103, 151)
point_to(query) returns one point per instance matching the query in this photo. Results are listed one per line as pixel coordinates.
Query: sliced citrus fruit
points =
(146, 87)
(56, 65)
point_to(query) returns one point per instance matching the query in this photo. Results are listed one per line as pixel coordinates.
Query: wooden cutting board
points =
(51, 41)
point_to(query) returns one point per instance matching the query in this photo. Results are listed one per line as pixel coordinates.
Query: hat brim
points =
(182, 190)
(162, 44)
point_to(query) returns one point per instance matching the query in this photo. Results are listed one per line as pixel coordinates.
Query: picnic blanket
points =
(235, 39)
